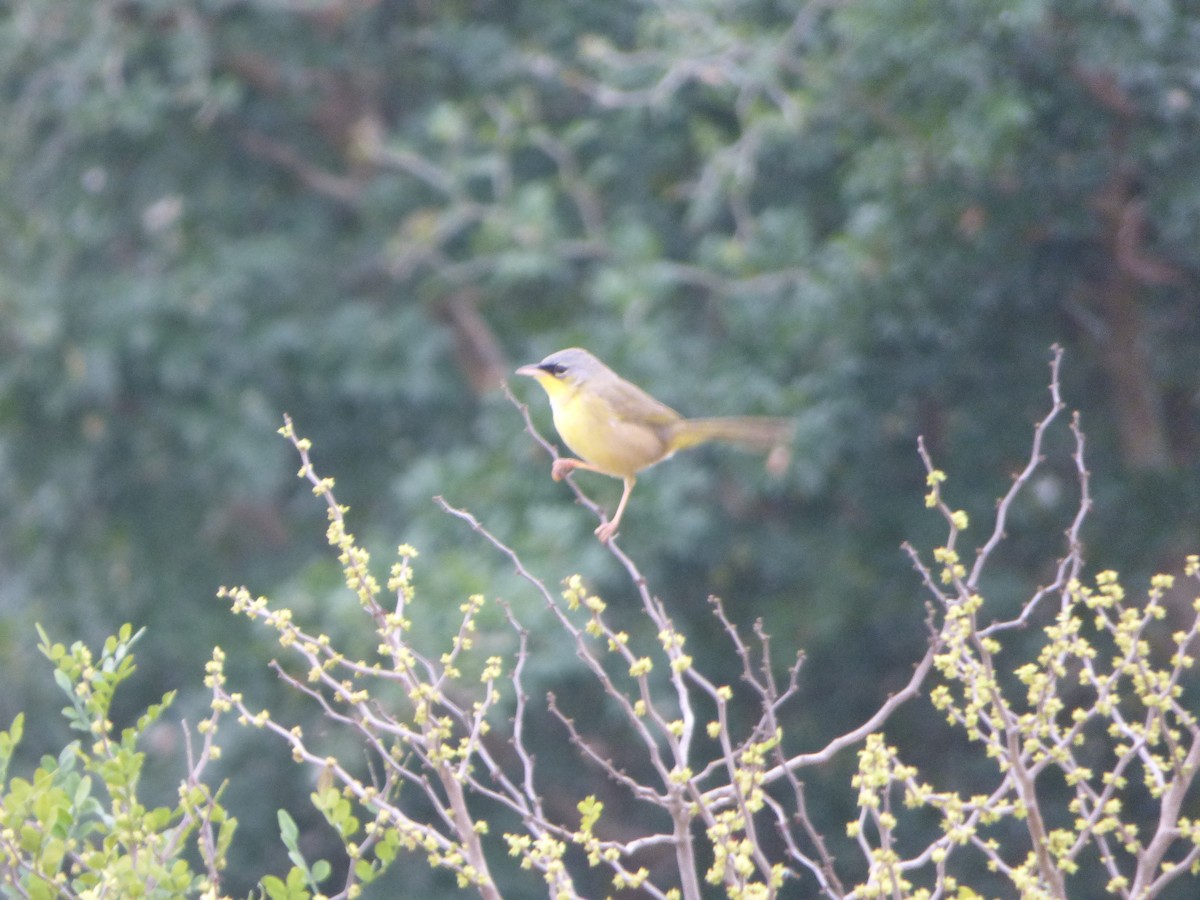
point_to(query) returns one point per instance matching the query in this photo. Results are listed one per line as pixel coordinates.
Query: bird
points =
(619, 430)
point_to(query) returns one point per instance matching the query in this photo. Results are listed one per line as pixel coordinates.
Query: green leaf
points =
(274, 887)
(8, 742)
(365, 872)
(288, 832)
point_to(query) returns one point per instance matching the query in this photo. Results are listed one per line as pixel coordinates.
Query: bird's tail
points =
(759, 433)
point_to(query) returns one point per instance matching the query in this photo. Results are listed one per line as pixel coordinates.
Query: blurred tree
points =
(873, 216)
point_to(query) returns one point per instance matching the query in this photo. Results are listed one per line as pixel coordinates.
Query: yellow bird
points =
(618, 429)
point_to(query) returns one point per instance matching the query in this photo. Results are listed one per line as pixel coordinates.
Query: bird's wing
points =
(636, 406)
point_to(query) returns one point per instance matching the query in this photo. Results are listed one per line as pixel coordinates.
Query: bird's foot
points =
(562, 467)
(606, 532)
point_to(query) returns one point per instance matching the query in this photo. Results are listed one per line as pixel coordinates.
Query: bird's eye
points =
(555, 369)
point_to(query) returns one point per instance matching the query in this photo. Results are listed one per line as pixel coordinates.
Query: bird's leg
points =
(564, 466)
(607, 529)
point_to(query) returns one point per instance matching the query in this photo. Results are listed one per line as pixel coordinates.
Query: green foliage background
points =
(872, 216)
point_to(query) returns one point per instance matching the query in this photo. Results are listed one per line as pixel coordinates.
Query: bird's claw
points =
(561, 468)
(606, 532)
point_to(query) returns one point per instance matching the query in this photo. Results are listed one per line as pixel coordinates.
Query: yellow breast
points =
(598, 434)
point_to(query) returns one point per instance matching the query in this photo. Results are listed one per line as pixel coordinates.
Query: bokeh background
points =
(874, 217)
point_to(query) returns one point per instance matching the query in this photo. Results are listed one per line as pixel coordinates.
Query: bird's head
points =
(565, 370)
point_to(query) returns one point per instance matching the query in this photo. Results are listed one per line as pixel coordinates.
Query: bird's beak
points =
(531, 371)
